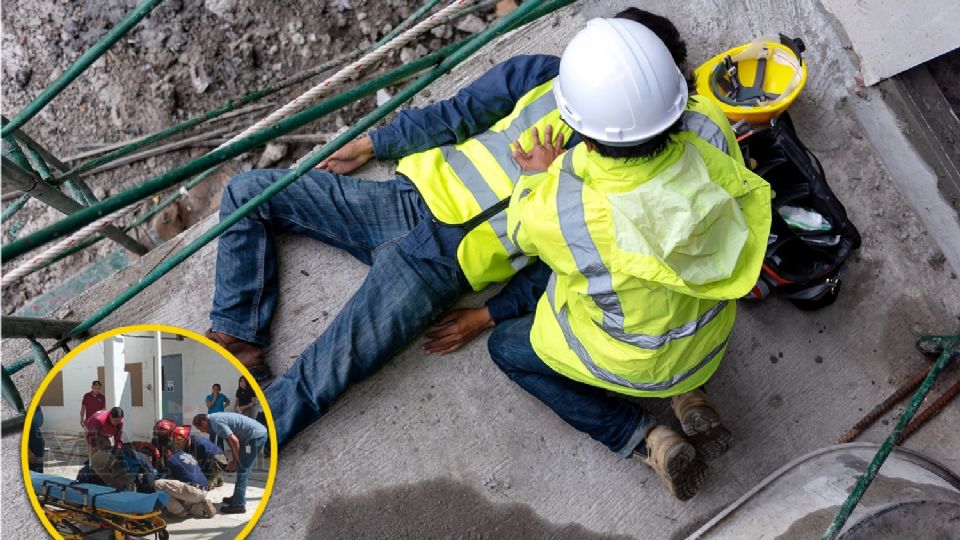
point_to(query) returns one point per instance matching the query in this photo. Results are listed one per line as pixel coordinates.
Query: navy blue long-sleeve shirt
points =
(471, 111)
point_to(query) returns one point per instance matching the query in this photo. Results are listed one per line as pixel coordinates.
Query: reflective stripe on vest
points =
(573, 226)
(470, 176)
(497, 143)
(705, 128)
(577, 347)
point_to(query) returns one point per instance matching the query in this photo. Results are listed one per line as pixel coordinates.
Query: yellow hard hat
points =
(756, 81)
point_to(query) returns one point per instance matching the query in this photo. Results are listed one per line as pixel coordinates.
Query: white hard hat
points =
(618, 83)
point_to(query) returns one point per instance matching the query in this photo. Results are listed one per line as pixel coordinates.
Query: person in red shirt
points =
(100, 427)
(93, 401)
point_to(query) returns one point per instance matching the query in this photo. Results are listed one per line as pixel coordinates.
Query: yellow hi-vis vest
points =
(648, 258)
(460, 181)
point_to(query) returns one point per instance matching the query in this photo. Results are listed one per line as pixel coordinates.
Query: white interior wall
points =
(77, 376)
(201, 368)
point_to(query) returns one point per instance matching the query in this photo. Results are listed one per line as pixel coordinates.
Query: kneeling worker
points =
(246, 437)
(186, 485)
(209, 456)
(652, 234)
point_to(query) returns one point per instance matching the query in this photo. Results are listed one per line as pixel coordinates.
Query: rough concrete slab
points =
(451, 445)
(892, 36)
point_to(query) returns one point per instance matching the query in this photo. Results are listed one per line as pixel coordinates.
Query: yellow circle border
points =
(58, 367)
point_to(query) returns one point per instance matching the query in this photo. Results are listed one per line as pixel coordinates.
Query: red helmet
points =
(164, 427)
(181, 432)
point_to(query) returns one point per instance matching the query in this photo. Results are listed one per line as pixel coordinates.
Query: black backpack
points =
(804, 262)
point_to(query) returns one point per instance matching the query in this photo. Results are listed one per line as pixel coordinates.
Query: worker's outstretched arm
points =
(471, 111)
(234, 443)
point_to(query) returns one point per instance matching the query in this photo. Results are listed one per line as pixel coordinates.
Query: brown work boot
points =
(701, 424)
(675, 461)
(250, 355)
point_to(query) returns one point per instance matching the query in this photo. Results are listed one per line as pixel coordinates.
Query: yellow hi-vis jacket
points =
(460, 181)
(648, 258)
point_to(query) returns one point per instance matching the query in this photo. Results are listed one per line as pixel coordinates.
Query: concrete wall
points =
(202, 367)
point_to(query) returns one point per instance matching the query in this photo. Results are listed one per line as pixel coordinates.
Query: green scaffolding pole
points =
(173, 177)
(14, 207)
(78, 67)
(950, 345)
(529, 10)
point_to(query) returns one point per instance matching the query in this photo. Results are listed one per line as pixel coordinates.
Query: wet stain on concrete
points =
(438, 508)
(775, 401)
(812, 525)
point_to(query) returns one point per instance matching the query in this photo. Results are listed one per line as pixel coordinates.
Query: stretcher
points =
(78, 510)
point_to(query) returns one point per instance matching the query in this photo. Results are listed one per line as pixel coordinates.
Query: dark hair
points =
(663, 28)
(217, 386)
(244, 381)
(198, 419)
(644, 150)
(94, 383)
(116, 412)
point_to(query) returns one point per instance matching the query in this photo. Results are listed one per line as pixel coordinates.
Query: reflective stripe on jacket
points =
(648, 259)
(460, 181)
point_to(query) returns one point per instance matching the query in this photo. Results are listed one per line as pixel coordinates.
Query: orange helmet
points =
(164, 427)
(181, 432)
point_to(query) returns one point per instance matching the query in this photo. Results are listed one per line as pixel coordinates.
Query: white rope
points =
(351, 71)
(37, 261)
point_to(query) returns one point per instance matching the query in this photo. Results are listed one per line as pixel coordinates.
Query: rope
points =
(298, 104)
(349, 72)
(41, 260)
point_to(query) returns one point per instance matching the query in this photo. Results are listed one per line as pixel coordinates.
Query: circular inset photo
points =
(149, 431)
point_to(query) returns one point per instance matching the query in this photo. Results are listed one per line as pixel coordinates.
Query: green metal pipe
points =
(950, 345)
(314, 158)
(14, 207)
(77, 189)
(78, 67)
(78, 219)
(17, 365)
(26, 140)
(40, 355)
(10, 393)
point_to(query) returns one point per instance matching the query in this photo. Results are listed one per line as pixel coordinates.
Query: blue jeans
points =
(619, 424)
(380, 224)
(248, 455)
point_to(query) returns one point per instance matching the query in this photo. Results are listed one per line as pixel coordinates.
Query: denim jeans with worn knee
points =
(381, 224)
(619, 424)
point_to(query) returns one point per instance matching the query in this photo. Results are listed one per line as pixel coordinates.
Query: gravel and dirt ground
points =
(185, 58)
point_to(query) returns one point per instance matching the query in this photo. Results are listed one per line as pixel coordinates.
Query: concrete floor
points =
(450, 448)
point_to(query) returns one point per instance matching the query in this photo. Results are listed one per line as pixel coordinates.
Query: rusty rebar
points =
(903, 391)
(932, 410)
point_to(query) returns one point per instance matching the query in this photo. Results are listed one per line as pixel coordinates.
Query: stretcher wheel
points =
(162, 534)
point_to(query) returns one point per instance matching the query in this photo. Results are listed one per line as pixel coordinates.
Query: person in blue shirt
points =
(246, 437)
(209, 456)
(217, 402)
(186, 485)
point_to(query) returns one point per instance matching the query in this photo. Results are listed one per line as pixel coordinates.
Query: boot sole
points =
(703, 428)
(686, 472)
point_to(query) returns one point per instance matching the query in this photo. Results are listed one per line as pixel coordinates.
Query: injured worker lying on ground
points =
(440, 229)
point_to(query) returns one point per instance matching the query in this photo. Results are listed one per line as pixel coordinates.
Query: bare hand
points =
(542, 154)
(232, 466)
(349, 157)
(457, 328)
